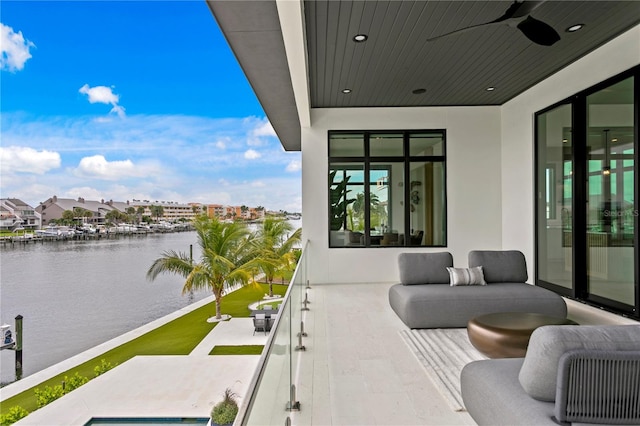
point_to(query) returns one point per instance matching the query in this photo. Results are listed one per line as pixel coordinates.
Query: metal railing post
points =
(302, 332)
(293, 405)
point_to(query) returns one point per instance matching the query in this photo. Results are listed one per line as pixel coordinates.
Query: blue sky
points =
(131, 100)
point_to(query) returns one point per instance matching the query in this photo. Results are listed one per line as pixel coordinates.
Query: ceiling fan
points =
(518, 15)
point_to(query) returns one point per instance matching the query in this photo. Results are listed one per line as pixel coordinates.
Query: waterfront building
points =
(16, 214)
(54, 207)
(487, 138)
(223, 212)
(171, 211)
(461, 143)
(217, 210)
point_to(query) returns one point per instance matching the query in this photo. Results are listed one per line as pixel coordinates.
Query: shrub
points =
(48, 394)
(103, 367)
(74, 382)
(226, 410)
(14, 414)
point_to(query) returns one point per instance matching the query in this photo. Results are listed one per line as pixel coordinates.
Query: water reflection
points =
(77, 294)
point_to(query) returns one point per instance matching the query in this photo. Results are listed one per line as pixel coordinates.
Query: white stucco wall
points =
(489, 168)
(473, 187)
(517, 118)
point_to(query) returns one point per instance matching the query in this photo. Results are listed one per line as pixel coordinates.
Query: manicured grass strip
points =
(178, 337)
(236, 303)
(237, 350)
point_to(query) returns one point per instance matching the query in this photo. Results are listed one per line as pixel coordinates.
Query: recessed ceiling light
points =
(419, 91)
(359, 38)
(574, 28)
(346, 91)
(490, 89)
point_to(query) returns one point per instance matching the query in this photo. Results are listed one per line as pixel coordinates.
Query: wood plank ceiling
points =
(397, 59)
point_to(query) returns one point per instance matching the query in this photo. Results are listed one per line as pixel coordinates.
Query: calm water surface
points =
(74, 295)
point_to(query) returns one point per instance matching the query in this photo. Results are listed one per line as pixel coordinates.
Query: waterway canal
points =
(74, 295)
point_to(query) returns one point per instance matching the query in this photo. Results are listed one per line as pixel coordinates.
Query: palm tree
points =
(275, 247)
(228, 257)
(244, 209)
(157, 211)
(68, 216)
(140, 212)
(356, 210)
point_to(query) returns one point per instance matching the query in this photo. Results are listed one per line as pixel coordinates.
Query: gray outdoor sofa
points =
(570, 375)
(425, 298)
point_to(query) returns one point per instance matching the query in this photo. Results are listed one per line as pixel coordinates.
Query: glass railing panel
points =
(269, 398)
(271, 394)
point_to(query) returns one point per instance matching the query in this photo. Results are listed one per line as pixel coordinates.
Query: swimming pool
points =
(137, 421)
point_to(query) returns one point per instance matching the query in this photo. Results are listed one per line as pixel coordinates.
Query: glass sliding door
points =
(611, 208)
(587, 207)
(554, 207)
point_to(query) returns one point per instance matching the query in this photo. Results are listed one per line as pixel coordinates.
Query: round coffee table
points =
(506, 334)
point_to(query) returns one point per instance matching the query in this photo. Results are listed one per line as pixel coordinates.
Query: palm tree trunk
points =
(218, 316)
(271, 287)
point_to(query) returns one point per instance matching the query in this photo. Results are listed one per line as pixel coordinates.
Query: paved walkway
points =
(152, 386)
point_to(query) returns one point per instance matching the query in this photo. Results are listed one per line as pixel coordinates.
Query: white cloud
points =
(294, 166)
(88, 193)
(15, 49)
(258, 184)
(251, 154)
(161, 157)
(103, 95)
(118, 110)
(28, 160)
(261, 132)
(98, 167)
(221, 145)
(264, 129)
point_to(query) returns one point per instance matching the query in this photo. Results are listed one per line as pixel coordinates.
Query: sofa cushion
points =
(493, 396)
(424, 268)
(548, 343)
(466, 276)
(502, 266)
(440, 305)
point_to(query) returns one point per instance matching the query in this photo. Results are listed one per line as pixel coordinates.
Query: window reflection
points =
(387, 198)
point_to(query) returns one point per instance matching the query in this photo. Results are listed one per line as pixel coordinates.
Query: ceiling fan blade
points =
(538, 31)
(519, 9)
(462, 30)
(516, 10)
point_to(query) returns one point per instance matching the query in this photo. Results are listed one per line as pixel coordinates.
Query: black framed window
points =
(587, 195)
(387, 188)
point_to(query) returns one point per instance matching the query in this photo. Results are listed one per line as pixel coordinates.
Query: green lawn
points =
(237, 350)
(178, 337)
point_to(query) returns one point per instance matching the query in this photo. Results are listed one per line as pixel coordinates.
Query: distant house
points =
(16, 214)
(53, 208)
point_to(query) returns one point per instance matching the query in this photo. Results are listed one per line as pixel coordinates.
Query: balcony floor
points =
(359, 371)
(363, 373)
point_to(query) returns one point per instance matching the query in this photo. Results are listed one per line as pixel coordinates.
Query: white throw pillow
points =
(466, 276)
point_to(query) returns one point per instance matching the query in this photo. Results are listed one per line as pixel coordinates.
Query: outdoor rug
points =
(443, 352)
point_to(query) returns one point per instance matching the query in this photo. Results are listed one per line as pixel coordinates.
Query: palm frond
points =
(170, 262)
